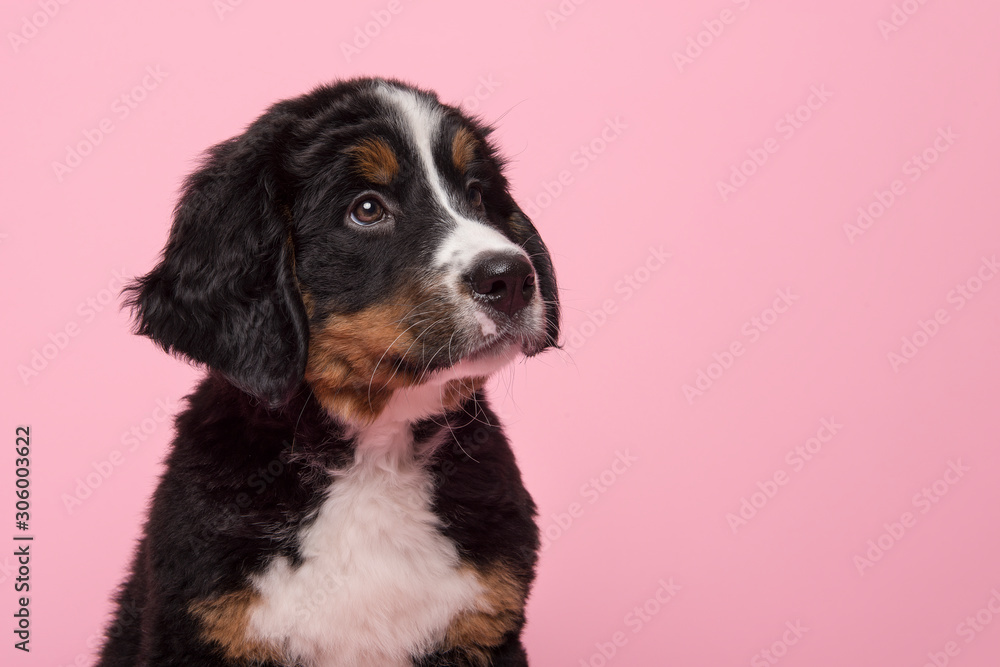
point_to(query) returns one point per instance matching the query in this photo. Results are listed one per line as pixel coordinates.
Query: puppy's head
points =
(360, 239)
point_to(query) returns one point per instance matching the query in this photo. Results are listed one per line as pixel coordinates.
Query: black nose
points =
(504, 282)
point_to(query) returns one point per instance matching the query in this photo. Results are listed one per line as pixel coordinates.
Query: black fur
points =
(224, 293)
(258, 225)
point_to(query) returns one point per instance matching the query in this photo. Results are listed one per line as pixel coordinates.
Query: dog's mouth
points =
(480, 359)
(357, 362)
(490, 340)
(503, 348)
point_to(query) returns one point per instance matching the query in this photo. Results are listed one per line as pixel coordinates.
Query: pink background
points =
(662, 134)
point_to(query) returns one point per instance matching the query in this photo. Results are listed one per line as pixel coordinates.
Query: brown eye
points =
(368, 212)
(475, 196)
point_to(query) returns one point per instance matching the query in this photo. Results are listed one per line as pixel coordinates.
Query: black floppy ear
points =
(224, 293)
(532, 243)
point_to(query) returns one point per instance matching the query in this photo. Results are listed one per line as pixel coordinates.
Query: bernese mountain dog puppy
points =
(350, 270)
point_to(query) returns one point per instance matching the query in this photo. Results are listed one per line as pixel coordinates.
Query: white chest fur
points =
(379, 583)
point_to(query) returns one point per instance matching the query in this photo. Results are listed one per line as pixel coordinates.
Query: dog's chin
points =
(444, 387)
(491, 353)
(481, 362)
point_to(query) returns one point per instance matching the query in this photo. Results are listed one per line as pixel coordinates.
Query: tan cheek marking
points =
(225, 620)
(343, 355)
(375, 161)
(463, 149)
(473, 634)
(352, 358)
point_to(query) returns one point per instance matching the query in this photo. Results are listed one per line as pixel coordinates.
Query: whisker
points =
(371, 380)
(398, 365)
(450, 362)
(451, 430)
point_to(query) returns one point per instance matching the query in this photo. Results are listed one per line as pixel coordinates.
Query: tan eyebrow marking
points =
(375, 161)
(463, 149)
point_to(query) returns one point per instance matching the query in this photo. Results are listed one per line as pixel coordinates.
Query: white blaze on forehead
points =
(468, 238)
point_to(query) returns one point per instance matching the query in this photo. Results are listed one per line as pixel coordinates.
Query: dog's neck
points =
(390, 438)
